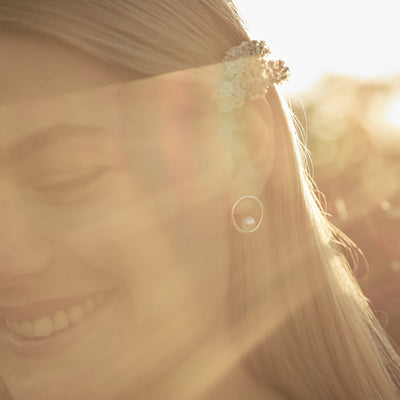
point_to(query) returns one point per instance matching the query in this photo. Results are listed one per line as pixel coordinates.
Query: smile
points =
(59, 320)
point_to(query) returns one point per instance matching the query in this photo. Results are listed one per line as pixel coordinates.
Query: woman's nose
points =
(19, 251)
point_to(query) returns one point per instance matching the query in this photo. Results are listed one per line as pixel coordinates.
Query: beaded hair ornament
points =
(248, 75)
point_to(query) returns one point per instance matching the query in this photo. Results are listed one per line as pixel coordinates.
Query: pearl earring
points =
(248, 224)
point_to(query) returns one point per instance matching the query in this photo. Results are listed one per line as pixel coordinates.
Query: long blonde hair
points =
(324, 341)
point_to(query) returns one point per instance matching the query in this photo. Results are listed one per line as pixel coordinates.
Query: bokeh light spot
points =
(393, 113)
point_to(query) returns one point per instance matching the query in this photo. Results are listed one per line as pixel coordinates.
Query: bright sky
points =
(314, 37)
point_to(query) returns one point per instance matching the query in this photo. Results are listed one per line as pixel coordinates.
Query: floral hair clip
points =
(248, 75)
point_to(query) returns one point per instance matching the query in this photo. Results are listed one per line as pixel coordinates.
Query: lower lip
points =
(41, 347)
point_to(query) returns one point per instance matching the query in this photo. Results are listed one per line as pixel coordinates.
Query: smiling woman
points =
(153, 243)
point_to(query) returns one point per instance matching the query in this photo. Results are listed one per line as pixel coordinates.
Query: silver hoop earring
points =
(248, 223)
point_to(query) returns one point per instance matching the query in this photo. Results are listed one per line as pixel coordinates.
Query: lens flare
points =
(392, 114)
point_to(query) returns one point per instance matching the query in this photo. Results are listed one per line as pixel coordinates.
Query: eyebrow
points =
(52, 135)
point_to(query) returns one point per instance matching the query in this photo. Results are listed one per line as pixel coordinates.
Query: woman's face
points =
(114, 204)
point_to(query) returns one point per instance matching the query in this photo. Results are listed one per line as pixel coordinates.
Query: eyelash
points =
(59, 190)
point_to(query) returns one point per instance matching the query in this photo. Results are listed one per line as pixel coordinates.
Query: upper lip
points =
(41, 307)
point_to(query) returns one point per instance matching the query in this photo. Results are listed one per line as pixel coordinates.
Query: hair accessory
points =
(248, 75)
(248, 223)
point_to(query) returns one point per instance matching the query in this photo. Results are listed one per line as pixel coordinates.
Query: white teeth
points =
(60, 320)
(47, 325)
(88, 306)
(43, 326)
(27, 329)
(16, 327)
(75, 313)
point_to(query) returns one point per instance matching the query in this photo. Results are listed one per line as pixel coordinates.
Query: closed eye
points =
(70, 190)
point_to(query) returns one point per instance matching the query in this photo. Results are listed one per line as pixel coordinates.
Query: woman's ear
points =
(250, 149)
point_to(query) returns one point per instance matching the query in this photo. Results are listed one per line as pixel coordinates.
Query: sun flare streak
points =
(393, 113)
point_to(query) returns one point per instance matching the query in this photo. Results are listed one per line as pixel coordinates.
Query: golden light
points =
(392, 114)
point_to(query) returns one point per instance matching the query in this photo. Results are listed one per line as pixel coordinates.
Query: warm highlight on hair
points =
(313, 335)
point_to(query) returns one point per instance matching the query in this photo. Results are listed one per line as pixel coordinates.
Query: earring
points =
(248, 223)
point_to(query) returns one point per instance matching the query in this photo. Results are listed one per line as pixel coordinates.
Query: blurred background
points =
(345, 92)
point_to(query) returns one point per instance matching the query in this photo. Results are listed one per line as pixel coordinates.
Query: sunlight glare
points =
(392, 114)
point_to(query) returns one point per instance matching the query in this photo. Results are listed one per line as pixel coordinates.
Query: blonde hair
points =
(313, 333)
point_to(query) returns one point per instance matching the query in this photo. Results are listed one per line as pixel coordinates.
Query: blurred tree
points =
(353, 132)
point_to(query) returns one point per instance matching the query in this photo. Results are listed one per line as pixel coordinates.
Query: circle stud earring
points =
(248, 223)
